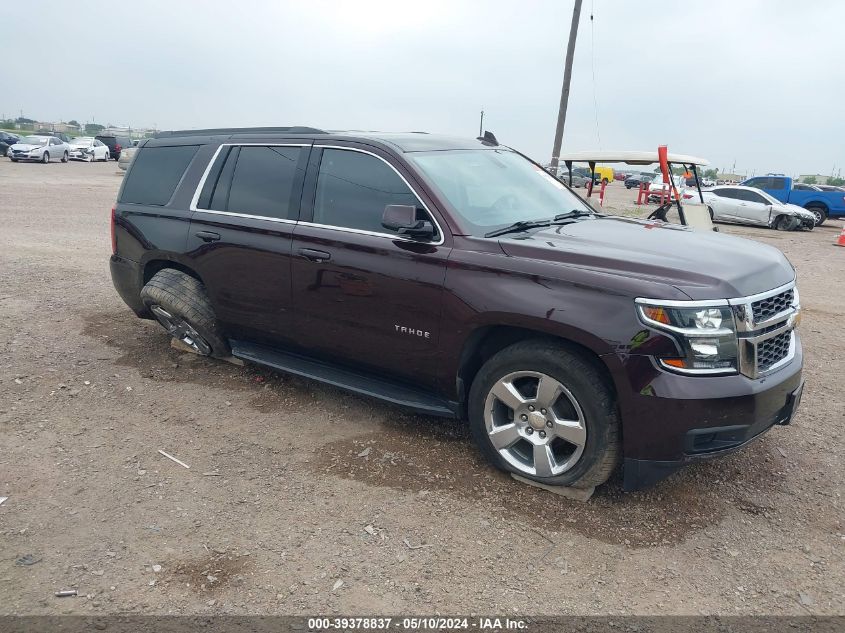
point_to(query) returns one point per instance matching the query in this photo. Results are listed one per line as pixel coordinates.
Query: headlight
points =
(705, 334)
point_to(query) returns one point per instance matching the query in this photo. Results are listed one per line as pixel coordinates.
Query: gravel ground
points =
(301, 499)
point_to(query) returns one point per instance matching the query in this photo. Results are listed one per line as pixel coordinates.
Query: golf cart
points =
(691, 213)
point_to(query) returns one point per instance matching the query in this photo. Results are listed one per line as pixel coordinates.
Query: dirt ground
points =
(302, 499)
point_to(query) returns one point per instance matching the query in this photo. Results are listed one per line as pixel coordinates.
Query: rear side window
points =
(776, 183)
(262, 181)
(155, 173)
(353, 188)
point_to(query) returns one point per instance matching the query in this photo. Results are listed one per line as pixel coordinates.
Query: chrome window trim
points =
(193, 206)
(247, 216)
(392, 236)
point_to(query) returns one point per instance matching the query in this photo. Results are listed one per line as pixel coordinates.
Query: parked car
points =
(578, 180)
(60, 135)
(620, 176)
(6, 141)
(746, 205)
(635, 180)
(88, 148)
(823, 204)
(830, 188)
(708, 182)
(802, 186)
(388, 264)
(39, 148)
(126, 157)
(114, 143)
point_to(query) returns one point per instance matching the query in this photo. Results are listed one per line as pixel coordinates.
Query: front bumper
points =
(74, 155)
(672, 420)
(128, 279)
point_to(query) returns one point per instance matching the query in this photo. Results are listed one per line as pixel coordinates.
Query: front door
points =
(753, 208)
(361, 293)
(240, 237)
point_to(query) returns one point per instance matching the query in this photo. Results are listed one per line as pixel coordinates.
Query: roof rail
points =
(296, 129)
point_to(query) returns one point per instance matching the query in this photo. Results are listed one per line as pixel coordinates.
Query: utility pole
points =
(567, 78)
(481, 124)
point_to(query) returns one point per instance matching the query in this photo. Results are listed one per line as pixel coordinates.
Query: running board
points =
(368, 385)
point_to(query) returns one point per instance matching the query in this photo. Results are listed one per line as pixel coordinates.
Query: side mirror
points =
(402, 218)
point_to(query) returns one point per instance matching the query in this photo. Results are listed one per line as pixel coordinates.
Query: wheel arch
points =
(487, 340)
(154, 265)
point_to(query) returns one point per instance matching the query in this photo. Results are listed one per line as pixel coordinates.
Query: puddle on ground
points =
(437, 457)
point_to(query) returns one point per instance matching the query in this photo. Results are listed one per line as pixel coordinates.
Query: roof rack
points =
(296, 129)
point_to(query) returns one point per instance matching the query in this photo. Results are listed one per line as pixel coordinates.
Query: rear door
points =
(362, 293)
(727, 205)
(245, 210)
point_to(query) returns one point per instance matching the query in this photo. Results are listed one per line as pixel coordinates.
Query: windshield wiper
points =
(575, 213)
(521, 225)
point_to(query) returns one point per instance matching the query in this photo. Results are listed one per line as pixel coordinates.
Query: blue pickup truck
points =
(823, 204)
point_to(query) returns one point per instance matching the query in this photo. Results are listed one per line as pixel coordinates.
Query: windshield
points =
(494, 188)
(34, 140)
(81, 140)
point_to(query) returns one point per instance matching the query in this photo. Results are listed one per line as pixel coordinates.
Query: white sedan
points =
(747, 205)
(88, 148)
(39, 148)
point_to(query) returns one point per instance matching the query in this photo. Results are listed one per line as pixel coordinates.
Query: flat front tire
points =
(547, 413)
(180, 304)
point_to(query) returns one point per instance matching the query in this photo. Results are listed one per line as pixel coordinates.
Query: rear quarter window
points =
(155, 173)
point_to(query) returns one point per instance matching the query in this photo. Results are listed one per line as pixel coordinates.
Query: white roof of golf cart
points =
(630, 158)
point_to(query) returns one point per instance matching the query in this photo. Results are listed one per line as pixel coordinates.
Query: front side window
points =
(494, 188)
(353, 189)
(751, 196)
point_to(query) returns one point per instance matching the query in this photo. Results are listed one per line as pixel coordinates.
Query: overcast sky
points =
(759, 82)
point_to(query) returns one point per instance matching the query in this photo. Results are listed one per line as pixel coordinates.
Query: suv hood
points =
(702, 265)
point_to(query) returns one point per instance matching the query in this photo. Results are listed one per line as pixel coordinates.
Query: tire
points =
(180, 303)
(710, 211)
(819, 212)
(64, 157)
(784, 223)
(45, 157)
(14, 160)
(106, 158)
(586, 394)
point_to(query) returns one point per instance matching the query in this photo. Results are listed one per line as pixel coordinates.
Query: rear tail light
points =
(113, 236)
(117, 147)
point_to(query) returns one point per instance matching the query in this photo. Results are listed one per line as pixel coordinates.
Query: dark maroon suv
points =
(458, 278)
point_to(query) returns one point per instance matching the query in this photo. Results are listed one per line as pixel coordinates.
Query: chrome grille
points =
(773, 350)
(770, 306)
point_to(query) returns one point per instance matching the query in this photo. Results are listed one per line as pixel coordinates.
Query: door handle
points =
(208, 236)
(314, 255)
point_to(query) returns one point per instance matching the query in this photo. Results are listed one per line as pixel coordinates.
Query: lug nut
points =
(543, 411)
(549, 423)
(530, 407)
(523, 417)
(529, 430)
(542, 434)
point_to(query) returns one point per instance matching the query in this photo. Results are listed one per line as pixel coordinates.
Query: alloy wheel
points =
(181, 330)
(535, 424)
